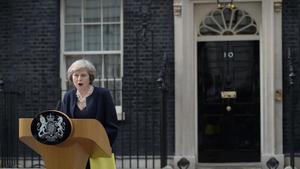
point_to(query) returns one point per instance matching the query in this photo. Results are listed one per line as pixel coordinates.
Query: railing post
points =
(1, 85)
(163, 121)
(1, 121)
(292, 76)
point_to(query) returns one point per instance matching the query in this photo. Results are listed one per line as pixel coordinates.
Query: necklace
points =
(81, 100)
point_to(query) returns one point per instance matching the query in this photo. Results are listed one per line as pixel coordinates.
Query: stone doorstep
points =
(229, 166)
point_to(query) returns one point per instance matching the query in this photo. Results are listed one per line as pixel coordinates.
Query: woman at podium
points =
(86, 101)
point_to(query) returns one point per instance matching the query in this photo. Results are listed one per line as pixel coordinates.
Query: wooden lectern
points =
(88, 138)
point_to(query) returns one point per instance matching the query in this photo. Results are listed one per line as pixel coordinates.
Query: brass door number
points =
(228, 94)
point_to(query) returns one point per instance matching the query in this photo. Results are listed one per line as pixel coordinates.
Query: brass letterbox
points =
(228, 94)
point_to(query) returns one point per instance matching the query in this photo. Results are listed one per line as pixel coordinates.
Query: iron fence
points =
(8, 121)
(142, 110)
(138, 143)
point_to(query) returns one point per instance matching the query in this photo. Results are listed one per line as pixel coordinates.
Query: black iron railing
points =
(138, 143)
(142, 138)
(8, 120)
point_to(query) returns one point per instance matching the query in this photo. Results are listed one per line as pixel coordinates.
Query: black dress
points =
(82, 114)
(99, 105)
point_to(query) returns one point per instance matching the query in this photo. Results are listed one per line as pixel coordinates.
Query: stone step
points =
(230, 166)
(227, 167)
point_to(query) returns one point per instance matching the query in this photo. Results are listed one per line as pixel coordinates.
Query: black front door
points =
(228, 101)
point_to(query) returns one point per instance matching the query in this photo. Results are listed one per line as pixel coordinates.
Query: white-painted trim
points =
(227, 38)
(184, 82)
(91, 52)
(178, 52)
(92, 23)
(267, 79)
(120, 114)
(196, 85)
(186, 143)
(223, 25)
(101, 26)
(278, 82)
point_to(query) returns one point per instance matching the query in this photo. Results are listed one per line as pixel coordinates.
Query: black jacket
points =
(99, 106)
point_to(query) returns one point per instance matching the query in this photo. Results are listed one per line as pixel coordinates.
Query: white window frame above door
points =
(99, 53)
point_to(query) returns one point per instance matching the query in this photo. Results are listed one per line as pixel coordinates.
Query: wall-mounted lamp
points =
(225, 4)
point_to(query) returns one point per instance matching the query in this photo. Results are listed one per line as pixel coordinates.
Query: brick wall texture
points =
(291, 39)
(29, 63)
(29, 54)
(148, 36)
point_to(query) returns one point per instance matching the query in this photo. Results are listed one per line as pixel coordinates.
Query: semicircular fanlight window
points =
(228, 21)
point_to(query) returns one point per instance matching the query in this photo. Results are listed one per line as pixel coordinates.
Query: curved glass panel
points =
(226, 22)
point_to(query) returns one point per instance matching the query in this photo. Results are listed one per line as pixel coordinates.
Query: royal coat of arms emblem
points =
(51, 127)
